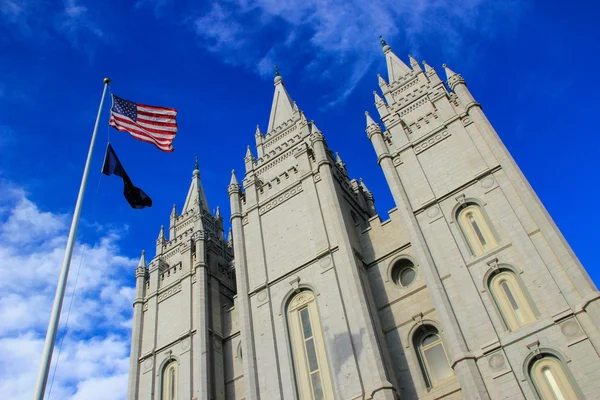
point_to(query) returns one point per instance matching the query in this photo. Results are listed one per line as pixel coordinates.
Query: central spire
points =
(282, 108)
(196, 193)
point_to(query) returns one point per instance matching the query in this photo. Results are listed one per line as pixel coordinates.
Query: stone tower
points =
(178, 324)
(467, 289)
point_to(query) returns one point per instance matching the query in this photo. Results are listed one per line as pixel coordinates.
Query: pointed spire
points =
(378, 99)
(428, 68)
(282, 108)
(382, 81)
(174, 211)
(230, 237)
(258, 132)
(218, 212)
(449, 72)
(339, 161)
(414, 64)
(248, 153)
(369, 119)
(362, 183)
(396, 68)
(142, 263)
(195, 193)
(161, 234)
(234, 180)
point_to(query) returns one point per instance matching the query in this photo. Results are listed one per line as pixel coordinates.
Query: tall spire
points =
(161, 234)
(449, 72)
(369, 119)
(195, 194)
(234, 180)
(396, 67)
(142, 263)
(414, 64)
(282, 108)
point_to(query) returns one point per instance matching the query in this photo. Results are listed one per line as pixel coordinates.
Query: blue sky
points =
(530, 64)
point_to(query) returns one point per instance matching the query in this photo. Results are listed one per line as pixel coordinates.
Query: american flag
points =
(156, 125)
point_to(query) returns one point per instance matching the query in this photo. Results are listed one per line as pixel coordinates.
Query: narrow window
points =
(550, 380)
(170, 381)
(511, 300)
(432, 356)
(312, 372)
(476, 230)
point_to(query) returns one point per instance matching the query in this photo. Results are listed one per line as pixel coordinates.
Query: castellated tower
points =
(178, 326)
(467, 289)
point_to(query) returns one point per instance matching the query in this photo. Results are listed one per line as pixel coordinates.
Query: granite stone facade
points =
(216, 304)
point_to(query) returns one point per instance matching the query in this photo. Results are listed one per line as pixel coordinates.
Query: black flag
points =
(134, 195)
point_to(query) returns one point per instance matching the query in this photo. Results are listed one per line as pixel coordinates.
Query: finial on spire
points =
(161, 234)
(196, 163)
(174, 211)
(218, 212)
(248, 153)
(258, 132)
(278, 77)
(384, 45)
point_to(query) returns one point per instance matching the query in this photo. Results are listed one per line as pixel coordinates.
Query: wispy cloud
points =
(339, 37)
(34, 21)
(31, 249)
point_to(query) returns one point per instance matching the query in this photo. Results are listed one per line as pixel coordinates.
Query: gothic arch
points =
(481, 209)
(541, 352)
(502, 267)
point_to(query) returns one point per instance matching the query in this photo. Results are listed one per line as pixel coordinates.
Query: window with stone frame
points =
(475, 229)
(432, 356)
(169, 381)
(550, 380)
(511, 300)
(308, 347)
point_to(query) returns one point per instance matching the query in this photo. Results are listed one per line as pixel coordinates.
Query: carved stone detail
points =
(169, 293)
(280, 199)
(432, 140)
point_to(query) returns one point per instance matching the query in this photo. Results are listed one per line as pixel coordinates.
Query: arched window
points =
(475, 229)
(308, 347)
(510, 300)
(403, 272)
(432, 356)
(550, 380)
(169, 381)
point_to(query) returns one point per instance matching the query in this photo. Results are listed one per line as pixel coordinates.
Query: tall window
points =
(476, 230)
(432, 356)
(510, 300)
(169, 381)
(550, 380)
(312, 372)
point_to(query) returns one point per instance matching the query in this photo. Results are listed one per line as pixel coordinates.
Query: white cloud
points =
(93, 363)
(339, 37)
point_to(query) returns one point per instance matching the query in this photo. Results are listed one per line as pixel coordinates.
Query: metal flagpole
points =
(40, 387)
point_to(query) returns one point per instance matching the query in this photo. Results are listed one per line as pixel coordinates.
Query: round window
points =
(403, 272)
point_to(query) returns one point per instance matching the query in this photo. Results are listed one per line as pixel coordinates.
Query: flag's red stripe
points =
(153, 122)
(156, 107)
(146, 130)
(158, 138)
(140, 136)
(140, 132)
(141, 108)
(157, 119)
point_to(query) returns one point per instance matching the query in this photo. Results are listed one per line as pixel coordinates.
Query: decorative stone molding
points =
(280, 199)
(397, 161)
(226, 291)
(245, 221)
(431, 141)
(317, 177)
(168, 293)
(295, 283)
(145, 308)
(413, 106)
